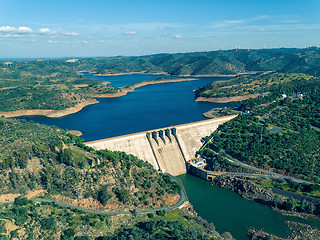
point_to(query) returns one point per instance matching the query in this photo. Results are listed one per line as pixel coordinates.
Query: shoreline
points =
(163, 73)
(130, 88)
(60, 113)
(129, 73)
(49, 112)
(227, 99)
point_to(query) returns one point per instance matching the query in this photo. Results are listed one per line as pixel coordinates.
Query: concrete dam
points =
(167, 149)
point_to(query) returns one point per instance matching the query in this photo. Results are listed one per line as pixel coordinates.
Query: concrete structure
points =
(167, 149)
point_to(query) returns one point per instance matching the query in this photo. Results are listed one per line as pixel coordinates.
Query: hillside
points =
(45, 85)
(251, 86)
(277, 133)
(43, 159)
(230, 62)
(27, 220)
(56, 87)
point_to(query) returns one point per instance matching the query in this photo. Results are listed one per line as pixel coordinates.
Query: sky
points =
(69, 28)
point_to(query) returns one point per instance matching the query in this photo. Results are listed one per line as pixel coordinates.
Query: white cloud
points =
(14, 30)
(131, 33)
(44, 30)
(177, 36)
(24, 29)
(71, 34)
(252, 28)
(9, 31)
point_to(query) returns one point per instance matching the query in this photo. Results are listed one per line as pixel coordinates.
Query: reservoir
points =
(148, 107)
(163, 105)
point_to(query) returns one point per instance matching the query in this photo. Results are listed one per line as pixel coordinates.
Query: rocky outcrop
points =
(245, 188)
(298, 231)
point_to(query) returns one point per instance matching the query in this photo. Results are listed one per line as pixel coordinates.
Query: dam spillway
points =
(165, 149)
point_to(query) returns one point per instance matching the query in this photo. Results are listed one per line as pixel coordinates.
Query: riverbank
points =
(227, 99)
(122, 74)
(125, 90)
(49, 112)
(220, 112)
(162, 73)
(297, 231)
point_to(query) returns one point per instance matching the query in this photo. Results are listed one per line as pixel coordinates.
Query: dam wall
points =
(166, 149)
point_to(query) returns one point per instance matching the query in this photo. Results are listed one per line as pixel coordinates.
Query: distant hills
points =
(229, 62)
(56, 85)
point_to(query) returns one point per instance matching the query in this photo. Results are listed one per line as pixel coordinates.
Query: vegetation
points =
(54, 84)
(28, 220)
(260, 84)
(47, 158)
(210, 63)
(279, 133)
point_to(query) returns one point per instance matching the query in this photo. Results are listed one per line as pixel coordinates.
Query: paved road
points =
(183, 199)
(266, 173)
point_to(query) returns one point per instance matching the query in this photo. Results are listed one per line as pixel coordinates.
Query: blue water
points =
(231, 213)
(124, 80)
(148, 107)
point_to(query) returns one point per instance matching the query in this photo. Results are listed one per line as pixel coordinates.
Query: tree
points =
(307, 206)
(291, 204)
(103, 195)
(68, 234)
(23, 160)
(21, 201)
(65, 157)
(123, 195)
(9, 162)
(48, 223)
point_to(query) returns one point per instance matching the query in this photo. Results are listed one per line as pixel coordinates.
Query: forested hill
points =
(228, 62)
(223, 62)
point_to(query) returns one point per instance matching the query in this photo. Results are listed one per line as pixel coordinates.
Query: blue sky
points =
(69, 28)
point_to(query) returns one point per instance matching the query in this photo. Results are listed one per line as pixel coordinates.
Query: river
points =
(163, 105)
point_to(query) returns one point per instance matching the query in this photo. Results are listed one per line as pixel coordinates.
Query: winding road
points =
(183, 199)
(266, 174)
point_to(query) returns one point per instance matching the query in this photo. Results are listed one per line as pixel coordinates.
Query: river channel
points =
(163, 105)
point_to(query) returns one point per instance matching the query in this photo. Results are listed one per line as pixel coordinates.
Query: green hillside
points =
(37, 157)
(28, 220)
(259, 84)
(210, 63)
(279, 133)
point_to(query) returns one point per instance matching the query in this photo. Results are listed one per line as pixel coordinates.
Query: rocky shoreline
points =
(298, 231)
(250, 191)
(245, 188)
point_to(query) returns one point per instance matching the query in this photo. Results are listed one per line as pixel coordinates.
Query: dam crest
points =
(166, 149)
